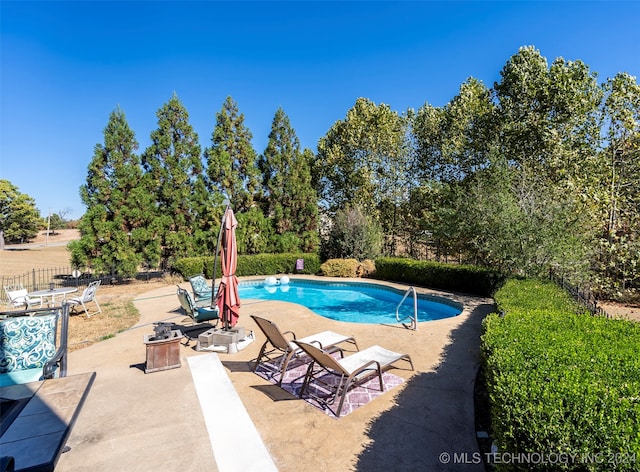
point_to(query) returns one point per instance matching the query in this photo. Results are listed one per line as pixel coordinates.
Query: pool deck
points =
(213, 413)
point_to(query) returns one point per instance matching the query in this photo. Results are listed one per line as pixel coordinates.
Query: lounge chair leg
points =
(262, 349)
(287, 359)
(307, 379)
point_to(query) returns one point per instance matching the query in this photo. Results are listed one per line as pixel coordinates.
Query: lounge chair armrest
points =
(366, 366)
(49, 369)
(291, 333)
(328, 350)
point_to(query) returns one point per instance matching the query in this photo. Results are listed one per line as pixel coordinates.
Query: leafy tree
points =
(515, 193)
(455, 141)
(361, 159)
(231, 159)
(366, 160)
(290, 199)
(548, 116)
(19, 217)
(114, 234)
(617, 258)
(174, 175)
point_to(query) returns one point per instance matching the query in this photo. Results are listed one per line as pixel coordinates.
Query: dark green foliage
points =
(290, 200)
(190, 266)
(254, 233)
(174, 175)
(258, 264)
(452, 277)
(268, 264)
(231, 160)
(19, 216)
(561, 381)
(115, 229)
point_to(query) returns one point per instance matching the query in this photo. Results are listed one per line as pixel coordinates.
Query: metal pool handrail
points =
(414, 319)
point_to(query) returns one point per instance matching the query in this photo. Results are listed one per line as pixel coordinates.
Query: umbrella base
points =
(221, 340)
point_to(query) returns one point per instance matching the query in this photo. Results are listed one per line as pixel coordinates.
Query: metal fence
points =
(582, 296)
(40, 279)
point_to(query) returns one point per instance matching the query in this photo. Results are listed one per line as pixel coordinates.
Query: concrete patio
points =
(183, 418)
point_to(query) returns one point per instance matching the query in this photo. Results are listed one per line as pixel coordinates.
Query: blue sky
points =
(65, 66)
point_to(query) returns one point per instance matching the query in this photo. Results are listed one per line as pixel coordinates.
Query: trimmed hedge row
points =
(561, 383)
(258, 264)
(452, 277)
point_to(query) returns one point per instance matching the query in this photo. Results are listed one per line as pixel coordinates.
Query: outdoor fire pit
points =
(163, 348)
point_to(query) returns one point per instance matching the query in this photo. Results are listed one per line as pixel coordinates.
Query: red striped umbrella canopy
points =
(227, 298)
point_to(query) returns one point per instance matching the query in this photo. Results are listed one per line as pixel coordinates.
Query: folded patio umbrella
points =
(227, 298)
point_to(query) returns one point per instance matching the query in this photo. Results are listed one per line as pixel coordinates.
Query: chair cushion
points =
(207, 314)
(27, 342)
(18, 377)
(200, 287)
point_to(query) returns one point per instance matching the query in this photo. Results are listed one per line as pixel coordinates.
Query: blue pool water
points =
(355, 302)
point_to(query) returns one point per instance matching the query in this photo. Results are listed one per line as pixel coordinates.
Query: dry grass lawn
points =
(116, 301)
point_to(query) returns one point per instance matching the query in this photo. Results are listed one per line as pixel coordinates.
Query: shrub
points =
(190, 266)
(258, 264)
(560, 381)
(454, 277)
(368, 268)
(352, 235)
(340, 268)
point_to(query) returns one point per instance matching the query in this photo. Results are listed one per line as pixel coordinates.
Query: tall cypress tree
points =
(174, 175)
(291, 201)
(231, 159)
(114, 228)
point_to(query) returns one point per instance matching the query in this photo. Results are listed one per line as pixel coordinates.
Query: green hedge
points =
(258, 264)
(453, 277)
(561, 381)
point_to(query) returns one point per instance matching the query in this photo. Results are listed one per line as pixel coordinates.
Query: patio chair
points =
(349, 371)
(286, 348)
(19, 298)
(201, 290)
(31, 347)
(88, 296)
(198, 314)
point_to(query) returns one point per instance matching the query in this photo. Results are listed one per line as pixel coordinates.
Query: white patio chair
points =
(19, 298)
(88, 296)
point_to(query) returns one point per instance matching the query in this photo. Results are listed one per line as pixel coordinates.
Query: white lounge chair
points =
(88, 296)
(286, 348)
(350, 371)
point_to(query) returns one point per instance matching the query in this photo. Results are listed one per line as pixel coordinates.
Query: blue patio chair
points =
(198, 314)
(201, 289)
(30, 348)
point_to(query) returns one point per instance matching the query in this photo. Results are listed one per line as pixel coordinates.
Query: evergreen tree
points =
(291, 201)
(231, 159)
(174, 175)
(114, 228)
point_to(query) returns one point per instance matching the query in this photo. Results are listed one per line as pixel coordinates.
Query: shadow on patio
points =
(432, 425)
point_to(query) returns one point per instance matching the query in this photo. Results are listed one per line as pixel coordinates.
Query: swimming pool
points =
(354, 302)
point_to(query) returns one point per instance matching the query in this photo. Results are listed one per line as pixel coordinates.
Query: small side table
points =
(163, 354)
